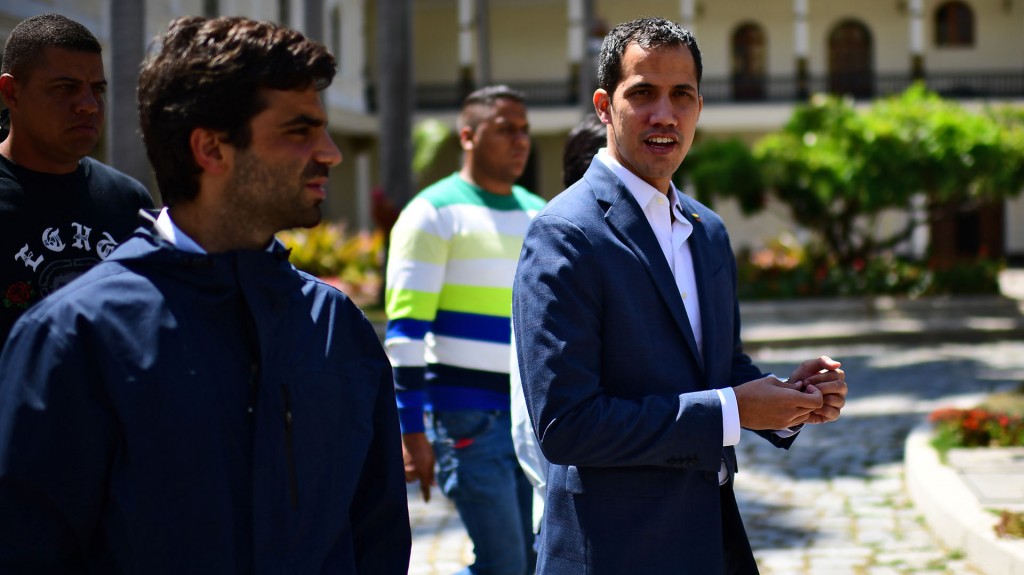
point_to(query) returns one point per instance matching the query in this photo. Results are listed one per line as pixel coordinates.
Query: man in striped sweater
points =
(451, 264)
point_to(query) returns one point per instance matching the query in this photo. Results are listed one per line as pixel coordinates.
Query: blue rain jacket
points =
(170, 412)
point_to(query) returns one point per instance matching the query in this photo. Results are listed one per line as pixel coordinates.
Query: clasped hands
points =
(814, 393)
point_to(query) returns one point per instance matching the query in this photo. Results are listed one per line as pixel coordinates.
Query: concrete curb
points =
(953, 511)
(881, 320)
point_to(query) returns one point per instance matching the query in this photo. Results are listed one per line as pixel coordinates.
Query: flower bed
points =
(977, 427)
(999, 422)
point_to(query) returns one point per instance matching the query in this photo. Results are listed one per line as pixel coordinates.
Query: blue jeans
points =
(478, 470)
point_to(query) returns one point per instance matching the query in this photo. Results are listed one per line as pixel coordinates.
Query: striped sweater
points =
(451, 263)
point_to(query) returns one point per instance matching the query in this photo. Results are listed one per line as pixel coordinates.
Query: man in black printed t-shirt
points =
(60, 211)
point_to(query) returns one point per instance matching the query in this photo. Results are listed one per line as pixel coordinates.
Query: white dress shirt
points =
(673, 233)
(166, 229)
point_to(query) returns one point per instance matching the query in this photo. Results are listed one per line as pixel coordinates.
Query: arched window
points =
(851, 60)
(749, 70)
(954, 24)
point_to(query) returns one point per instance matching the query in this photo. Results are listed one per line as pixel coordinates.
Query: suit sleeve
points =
(57, 441)
(558, 303)
(743, 369)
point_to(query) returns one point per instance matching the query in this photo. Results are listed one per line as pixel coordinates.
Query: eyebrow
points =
(304, 120)
(686, 86)
(73, 80)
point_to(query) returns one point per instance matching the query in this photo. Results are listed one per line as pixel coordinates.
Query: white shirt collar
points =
(641, 190)
(166, 229)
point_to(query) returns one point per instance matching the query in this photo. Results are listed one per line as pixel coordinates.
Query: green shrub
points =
(784, 269)
(979, 276)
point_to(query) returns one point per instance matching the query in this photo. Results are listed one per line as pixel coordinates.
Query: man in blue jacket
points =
(194, 404)
(628, 341)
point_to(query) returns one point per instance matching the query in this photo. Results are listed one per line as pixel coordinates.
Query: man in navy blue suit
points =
(627, 331)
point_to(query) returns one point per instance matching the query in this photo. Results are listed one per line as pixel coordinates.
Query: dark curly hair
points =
(582, 144)
(211, 73)
(24, 47)
(647, 33)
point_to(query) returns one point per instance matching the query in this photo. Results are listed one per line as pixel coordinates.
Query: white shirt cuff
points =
(790, 432)
(730, 417)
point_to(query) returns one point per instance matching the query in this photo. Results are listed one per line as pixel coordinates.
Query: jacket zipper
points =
(254, 386)
(293, 482)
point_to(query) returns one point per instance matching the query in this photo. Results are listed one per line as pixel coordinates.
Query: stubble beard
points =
(266, 199)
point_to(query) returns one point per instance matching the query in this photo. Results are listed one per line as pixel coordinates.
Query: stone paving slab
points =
(995, 476)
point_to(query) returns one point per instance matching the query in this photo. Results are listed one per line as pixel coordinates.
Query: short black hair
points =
(585, 139)
(486, 96)
(647, 33)
(29, 39)
(211, 73)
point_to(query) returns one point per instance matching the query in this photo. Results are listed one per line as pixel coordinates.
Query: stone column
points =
(313, 19)
(483, 42)
(127, 49)
(467, 26)
(395, 97)
(916, 11)
(688, 15)
(800, 48)
(582, 72)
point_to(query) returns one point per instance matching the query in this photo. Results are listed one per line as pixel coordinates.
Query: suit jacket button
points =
(711, 476)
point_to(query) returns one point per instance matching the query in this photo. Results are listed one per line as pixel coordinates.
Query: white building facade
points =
(760, 60)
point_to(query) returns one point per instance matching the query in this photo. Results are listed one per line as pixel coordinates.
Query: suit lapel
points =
(627, 220)
(703, 270)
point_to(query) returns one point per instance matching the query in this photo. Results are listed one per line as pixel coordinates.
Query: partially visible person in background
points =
(193, 403)
(61, 212)
(452, 259)
(582, 144)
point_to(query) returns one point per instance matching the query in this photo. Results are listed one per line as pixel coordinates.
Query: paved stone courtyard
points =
(835, 504)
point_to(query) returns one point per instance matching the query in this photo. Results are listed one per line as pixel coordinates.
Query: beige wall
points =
(436, 38)
(533, 41)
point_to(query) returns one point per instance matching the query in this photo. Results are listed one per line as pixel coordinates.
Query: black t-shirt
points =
(55, 227)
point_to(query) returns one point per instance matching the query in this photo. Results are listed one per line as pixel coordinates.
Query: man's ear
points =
(211, 152)
(466, 138)
(8, 89)
(602, 105)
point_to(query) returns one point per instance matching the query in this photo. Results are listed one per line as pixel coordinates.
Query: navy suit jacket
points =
(623, 404)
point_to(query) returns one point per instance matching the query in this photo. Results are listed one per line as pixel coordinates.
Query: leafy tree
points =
(725, 168)
(839, 168)
(428, 136)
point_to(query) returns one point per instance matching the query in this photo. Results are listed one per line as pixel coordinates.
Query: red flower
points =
(18, 294)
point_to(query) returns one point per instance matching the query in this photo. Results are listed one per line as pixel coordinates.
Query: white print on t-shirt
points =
(52, 241)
